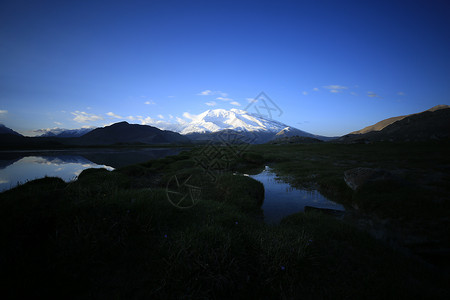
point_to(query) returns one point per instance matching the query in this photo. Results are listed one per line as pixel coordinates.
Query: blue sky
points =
(331, 66)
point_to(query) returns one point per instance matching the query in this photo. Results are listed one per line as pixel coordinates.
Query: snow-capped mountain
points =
(235, 119)
(211, 122)
(61, 132)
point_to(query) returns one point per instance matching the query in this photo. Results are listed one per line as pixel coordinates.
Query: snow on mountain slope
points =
(235, 119)
(61, 132)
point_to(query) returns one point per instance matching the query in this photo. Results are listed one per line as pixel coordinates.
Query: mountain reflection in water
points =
(22, 166)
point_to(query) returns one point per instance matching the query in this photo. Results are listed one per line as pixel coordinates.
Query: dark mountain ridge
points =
(252, 137)
(386, 122)
(6, 130)
(116, 134)
(432, 124)
(123, 132)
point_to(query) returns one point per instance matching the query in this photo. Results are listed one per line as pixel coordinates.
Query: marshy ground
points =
(116, 235)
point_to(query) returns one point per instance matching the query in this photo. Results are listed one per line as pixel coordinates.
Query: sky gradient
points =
(332, 67)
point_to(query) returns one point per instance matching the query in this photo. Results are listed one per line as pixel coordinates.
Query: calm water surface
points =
(281, 199)
(22, 166)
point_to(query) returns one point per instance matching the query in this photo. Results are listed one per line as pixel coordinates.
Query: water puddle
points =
(18, 167)
(281, 199)
(20, 170)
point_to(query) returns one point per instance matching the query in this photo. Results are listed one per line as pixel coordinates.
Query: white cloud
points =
(372, 94)
(170, 116)
(251, 100)
(131, 118)
(189, 116)
(55, 130)
(161, 116)
(83, 117)
(113, 115)
(181, 121)
(209, 93)
(171, 96)
(161, 124)
(3, 112)
(315, 89)
(305, 93)
(211, 103)
(148, 121)
(401, 94)
(149, 102)
(235, 103)
(58, 123)
(205, 93)
(334, 88)
(224, 99)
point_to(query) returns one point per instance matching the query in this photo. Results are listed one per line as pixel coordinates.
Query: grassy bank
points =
(422, 172)
(116, 235)
(408, 210)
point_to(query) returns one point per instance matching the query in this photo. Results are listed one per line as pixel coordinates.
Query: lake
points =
(281, 199)
(22, 166)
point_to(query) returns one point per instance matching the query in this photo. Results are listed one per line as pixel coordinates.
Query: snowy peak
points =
(61, 132)
(211, 123)
(235, 119)
(286, 130)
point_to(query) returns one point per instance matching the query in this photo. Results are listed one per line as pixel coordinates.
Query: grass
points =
(115, 235)
(418, 192)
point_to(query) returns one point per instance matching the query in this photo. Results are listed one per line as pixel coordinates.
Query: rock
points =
(357, 177)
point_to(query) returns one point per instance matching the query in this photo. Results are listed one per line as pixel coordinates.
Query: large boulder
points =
(357, 177)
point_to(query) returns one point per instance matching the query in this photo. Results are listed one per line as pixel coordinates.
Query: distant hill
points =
(125, 133)
(231, 136)
(294, 132)
(9, 138)
(384, 123)
(116, 134)
(6, 130)
(432, 124)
